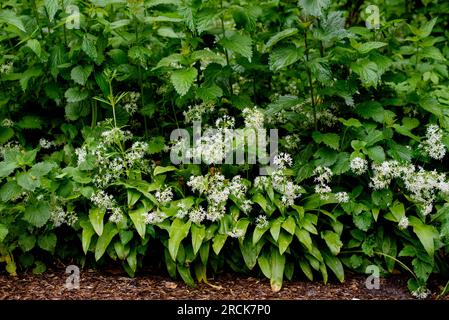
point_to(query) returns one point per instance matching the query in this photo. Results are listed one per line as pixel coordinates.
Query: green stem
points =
(36, 16)
(226, 51)
(309, 76)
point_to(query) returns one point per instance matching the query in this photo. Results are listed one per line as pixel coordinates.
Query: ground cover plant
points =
(91, 92)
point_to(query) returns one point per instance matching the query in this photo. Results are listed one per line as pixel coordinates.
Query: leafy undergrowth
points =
(91, 93)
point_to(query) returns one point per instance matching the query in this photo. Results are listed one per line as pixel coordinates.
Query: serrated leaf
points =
(9, 17)
(80, 74)
(37, 214)
(51, 6)
(313, 7)
(183, 79)
(47, 242)
(368, 46)
(283, 57)
(279, 37)
(239, 43)
(88, 46)
(75, 95)
(3, 232)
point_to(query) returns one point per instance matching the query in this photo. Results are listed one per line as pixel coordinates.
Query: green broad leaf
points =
(284, 241)
(277, 270)
(259, 232)
(47, 242)
(75, 95)
(42, 168)
(284, 57)
(368, 72)
(333, 241)
(313, 7)
(332, 140)
(275, 228)
(209, 92)
(264, 264)
(138, 219)
(109, 232)
(39, 268)
(261, 201)
(30, 73)
(3, 232)
(6, 168)
(304, 238)
(376, 153)
(425, 29)
(250, 251)
(371, 109)
(398, 210)
(51, 7)
(6, 134)
(363, 220)
(10, 17)
(239, 43)
(306, 269)
(132, 260)
(89, 46)
(218, 242)
(30, 122)
(186, 276)
(183, 79)
(27, 242)
(427, 234)
(350, 122)
(179, 230)
(198, 235)
(368, 46)
(335, 265)
(133, 196)
(120, 250)
(159, 170)
(86, 235)
(289, 225)
(126, 236)
(96, 217)
(80, 74)
(35, 46)
(37, 214)
(279, 37)
(170, 264)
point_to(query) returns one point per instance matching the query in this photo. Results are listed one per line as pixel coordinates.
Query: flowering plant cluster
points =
(87, 108)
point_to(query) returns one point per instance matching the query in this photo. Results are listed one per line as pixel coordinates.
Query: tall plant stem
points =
(309, 76)
(226, 51)
(36, 16)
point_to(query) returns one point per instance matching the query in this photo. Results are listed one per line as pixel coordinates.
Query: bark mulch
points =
(95, 285)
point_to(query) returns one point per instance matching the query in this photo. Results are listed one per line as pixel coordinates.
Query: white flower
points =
(196, 112)
(182, 211)
(323, 174)
(131, 102)
(81, 153)
(358, 165)
(115, 134)
(282, 160)
(225, 122)
(434, 146)
(7, 123)
(116, 216)
(421, 293)
(45, 144)
(164, 196)
(254, 118)
(292, 141)
(102, 200)
(59, 216)
(342, 197)
(6, 68)
(154, 217)
(236, 233)
(403, 222)
(197, 215)
(261, 221)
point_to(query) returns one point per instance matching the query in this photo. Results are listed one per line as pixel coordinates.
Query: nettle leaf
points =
(35, 46)
(314, 7)
(75, 95)
(279, 37)
(89, 46)
(80, 74)
(37, 214)
(239, 43)
(51, 6)
(283, 57)
(47, 242)
(332, 140)
(368, 72)
(183, 79)
(10, 190)
(3, 232)
(10, 17)
(368, 46)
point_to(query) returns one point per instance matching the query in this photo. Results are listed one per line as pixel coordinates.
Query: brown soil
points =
(104, 286)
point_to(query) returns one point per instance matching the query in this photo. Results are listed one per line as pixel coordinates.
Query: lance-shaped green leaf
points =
(179, 230)
(96, 216)
(109, 232)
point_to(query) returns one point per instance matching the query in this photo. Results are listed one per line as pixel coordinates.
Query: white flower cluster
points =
(164, 196)
(105, 201)
(254, 118)
(421, 293)
(45, 144)
(236, 233)
(434, 146)
(196, 112)
(323, 178)
(342, 197)
(403, 223)
(7, 123)
(154, 217)
(136, 153)
(424, 186)
(58, 216)
(11, 146)
(292, 141)
(261, 221)
(115, 134)
(279, 181)
(131, 102)
(81, 154)
(217, 191)
(6, 68)
(358, 165)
